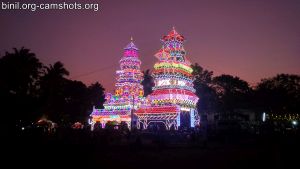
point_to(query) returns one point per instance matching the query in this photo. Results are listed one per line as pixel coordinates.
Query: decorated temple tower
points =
(128, 94)
(173, 101)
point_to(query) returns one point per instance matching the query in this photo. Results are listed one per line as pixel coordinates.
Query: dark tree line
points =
(30, 90)
(227, 95)
(279, 94)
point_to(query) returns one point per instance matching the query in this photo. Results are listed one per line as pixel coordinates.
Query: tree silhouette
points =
(19, 74)
(204, 90)
(96, 95)
(233, 93)
(279, 94)
(56, 71)
(53, 85)
(201, 75)
(76, 102)
(147, 82)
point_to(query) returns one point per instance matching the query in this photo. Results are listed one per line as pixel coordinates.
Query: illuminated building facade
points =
(128, 94)
(173, 101)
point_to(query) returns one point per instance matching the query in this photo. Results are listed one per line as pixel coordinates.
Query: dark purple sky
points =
(251, 39)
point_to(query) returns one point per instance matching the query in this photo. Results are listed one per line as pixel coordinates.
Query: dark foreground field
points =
(114, 149)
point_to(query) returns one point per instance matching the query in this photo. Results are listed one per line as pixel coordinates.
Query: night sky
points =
(251, 39)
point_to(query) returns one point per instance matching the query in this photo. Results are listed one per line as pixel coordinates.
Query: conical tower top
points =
(131, 45)
(173, 35)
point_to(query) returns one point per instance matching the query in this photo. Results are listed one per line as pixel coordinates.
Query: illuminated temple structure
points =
(173, 101)
(128, 91)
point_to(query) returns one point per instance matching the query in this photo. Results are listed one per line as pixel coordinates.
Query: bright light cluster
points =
(283, 117)
(158, 109)
(173, 65)
(173, 85)
(173, 93)
(166, 82)
(128, 93)
(160, 73)
(110, 118)
(179, 83)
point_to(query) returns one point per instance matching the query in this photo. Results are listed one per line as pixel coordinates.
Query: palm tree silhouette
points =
(19, 71)
(53, 87)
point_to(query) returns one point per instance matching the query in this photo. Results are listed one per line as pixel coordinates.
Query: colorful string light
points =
(173, 92)
(128, 93)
